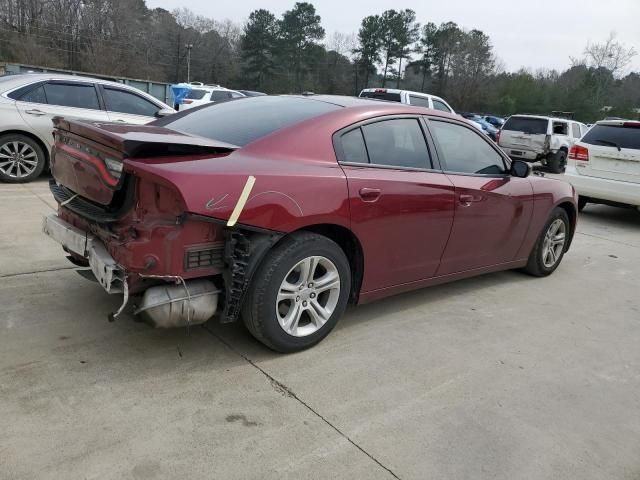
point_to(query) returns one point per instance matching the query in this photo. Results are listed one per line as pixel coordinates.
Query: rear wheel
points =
(557, 162)
(21, 159)
(549, 249)
(299, 293)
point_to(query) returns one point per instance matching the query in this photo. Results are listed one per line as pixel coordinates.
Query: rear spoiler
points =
(140, 141)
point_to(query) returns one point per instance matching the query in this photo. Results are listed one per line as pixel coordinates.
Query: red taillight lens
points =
(186, 102)
(579, 152)
(498, 135)
(381, 90)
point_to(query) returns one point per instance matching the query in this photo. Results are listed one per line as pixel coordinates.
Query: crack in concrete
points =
(608, 239)
(34, 272)
(285, 390)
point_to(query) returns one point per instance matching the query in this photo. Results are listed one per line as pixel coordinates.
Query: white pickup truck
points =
(540, 139)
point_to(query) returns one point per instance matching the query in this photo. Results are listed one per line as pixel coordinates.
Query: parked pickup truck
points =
(540, 139)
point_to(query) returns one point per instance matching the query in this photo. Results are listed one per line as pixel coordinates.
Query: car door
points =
(65, 98)
(401, 205)
(125, 106)
(492, 208)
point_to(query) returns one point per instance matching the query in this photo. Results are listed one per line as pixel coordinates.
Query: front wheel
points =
(550, 246)
(299, 293)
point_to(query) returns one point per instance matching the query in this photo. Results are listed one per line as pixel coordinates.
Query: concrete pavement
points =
(499, 377)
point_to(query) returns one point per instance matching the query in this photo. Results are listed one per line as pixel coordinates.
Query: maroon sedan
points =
(281, 210)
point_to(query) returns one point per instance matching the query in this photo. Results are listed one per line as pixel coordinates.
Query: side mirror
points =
(520, 169)
(165, 112)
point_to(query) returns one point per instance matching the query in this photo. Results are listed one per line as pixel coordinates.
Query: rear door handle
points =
(466, 199)
(369, 194)
(35, 112)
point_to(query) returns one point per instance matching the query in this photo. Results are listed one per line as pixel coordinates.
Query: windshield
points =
(535, 126)
(392, 97)
(614, 135)
(244, 120)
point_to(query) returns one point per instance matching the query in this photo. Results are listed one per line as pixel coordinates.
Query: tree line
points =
(291, 52)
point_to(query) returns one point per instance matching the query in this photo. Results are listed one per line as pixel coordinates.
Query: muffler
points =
(191, 302)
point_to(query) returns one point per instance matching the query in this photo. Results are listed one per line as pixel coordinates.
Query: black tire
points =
(40, 158)
(557, 162)
(536, 265)
(259, 308)
(582, 202)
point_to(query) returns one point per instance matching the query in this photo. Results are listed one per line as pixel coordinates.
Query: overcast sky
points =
(525, 33)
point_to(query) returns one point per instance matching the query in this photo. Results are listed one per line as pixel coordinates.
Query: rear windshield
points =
(196, 94)
(614, 135)
(533, 126)
(392, 97)
(240, 122)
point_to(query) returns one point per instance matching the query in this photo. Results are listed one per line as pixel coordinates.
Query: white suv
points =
(201, 94)
(536, 138)
(406, 96)
(28, 103)
(604, 166)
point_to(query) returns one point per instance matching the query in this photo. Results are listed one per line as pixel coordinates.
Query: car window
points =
(583, 130)
(419, 101)
(382, 95)
(438, 105)
(575, 128)
(614, 136)
(465, 150)
(77, 95)
(560, 128)
(196, 94)
(240, 123)
(121, 101)
(353, 147)
(237, 95)
(397, 143)
(34, 96)
(533, 126)
(218, 95)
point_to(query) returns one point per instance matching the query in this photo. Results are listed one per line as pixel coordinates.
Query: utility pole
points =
(188, 46)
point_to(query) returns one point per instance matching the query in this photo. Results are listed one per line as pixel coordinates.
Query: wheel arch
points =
(33, 137)
(573, 217)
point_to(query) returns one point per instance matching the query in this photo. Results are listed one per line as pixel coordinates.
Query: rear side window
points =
(391, 97)
(242, 122)
(34, 96)
(465, 150)
(534, 126)
(438, 105)
(117, 100)
(196, 94)
(72, 95)
(613, 136)
(419, 101)
(353, 147)
(397, 143)
(218, 95)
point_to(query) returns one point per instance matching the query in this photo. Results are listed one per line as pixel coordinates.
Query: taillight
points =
(498, 135)
(547, 142)
(578, 152)
(381, 90)
(186, 101)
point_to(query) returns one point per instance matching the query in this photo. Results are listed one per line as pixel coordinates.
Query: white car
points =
(28, 103)
(408, 97)
(201, 94)
(604, 166)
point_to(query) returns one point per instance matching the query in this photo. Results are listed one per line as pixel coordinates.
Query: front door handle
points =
(369, 194)
(467, 199)
(35, 112)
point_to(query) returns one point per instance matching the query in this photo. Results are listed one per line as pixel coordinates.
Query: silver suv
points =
(28, 103)
(536, 138)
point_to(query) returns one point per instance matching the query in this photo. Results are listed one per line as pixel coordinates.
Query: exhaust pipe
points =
(192, 302)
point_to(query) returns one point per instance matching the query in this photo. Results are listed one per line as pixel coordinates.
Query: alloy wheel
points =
(553, 244)
(18, 159)
(308, 296)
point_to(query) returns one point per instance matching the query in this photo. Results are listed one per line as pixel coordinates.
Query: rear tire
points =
(299, 293)
(550, 247)
(582, 202)
(557, 162)
(22, 159)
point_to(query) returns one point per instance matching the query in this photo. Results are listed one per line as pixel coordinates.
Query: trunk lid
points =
(614, 151)
(525, 133)
(88, 158)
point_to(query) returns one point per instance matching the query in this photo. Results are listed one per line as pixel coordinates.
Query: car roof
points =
(544, 117)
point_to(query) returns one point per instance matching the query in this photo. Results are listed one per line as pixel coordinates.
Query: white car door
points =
(125, 106)
(70, 99)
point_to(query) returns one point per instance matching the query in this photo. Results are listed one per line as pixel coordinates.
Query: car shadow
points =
(614, 216)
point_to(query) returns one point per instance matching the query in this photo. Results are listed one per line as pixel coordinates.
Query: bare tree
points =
(611, 55)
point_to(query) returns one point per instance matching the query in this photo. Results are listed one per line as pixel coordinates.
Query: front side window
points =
(438, 105)
(121, 101)
(465, 150)
(76, 95)
(218, 95)
(397, 143)
(419, 101)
